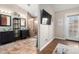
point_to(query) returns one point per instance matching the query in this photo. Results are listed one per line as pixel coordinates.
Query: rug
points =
(65, 49)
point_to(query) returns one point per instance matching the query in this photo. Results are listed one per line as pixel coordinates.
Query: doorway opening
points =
(32, 24)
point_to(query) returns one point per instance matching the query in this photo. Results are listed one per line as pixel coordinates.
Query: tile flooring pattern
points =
(25, 46)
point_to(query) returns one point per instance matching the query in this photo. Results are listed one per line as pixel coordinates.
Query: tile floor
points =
(25, 46)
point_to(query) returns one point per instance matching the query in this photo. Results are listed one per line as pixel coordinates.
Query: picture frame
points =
(5, 20)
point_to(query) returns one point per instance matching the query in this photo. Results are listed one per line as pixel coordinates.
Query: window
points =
(73, 26)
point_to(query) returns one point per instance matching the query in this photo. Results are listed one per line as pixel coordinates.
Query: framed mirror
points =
(44, 20)
(5, 20)
(23, 22)
(45, 17)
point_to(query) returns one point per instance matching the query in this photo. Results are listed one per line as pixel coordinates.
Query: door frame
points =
(29, 16)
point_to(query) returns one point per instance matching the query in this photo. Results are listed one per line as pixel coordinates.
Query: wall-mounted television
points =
(5, 20)
(45, 17)
(23, 22)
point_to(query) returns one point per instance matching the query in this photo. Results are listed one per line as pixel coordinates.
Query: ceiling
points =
(59, 7)
(32, 8)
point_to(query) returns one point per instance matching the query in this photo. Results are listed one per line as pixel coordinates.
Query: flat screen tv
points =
(45, 17)
(5, 20)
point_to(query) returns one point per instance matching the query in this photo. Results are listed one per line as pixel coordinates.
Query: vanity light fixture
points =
(5, 11)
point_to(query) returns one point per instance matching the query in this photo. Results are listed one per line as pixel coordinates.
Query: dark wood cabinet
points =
(9, 36)
(24, 34)
(6, 37)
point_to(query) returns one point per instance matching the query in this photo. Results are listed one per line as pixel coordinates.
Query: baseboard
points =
(60, 38)
(50, 42)
(46, 44)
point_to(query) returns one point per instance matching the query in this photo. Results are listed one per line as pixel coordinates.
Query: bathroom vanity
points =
(6, 37)
(24, 34)
(15, 33)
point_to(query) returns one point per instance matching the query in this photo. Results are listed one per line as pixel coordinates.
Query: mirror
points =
(23, 22)
(44, 20)
(45, 17)
(5, 20)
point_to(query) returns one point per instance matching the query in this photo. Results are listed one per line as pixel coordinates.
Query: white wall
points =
(32, 8)
(46, 31)
(60, 21)
(60, 7)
